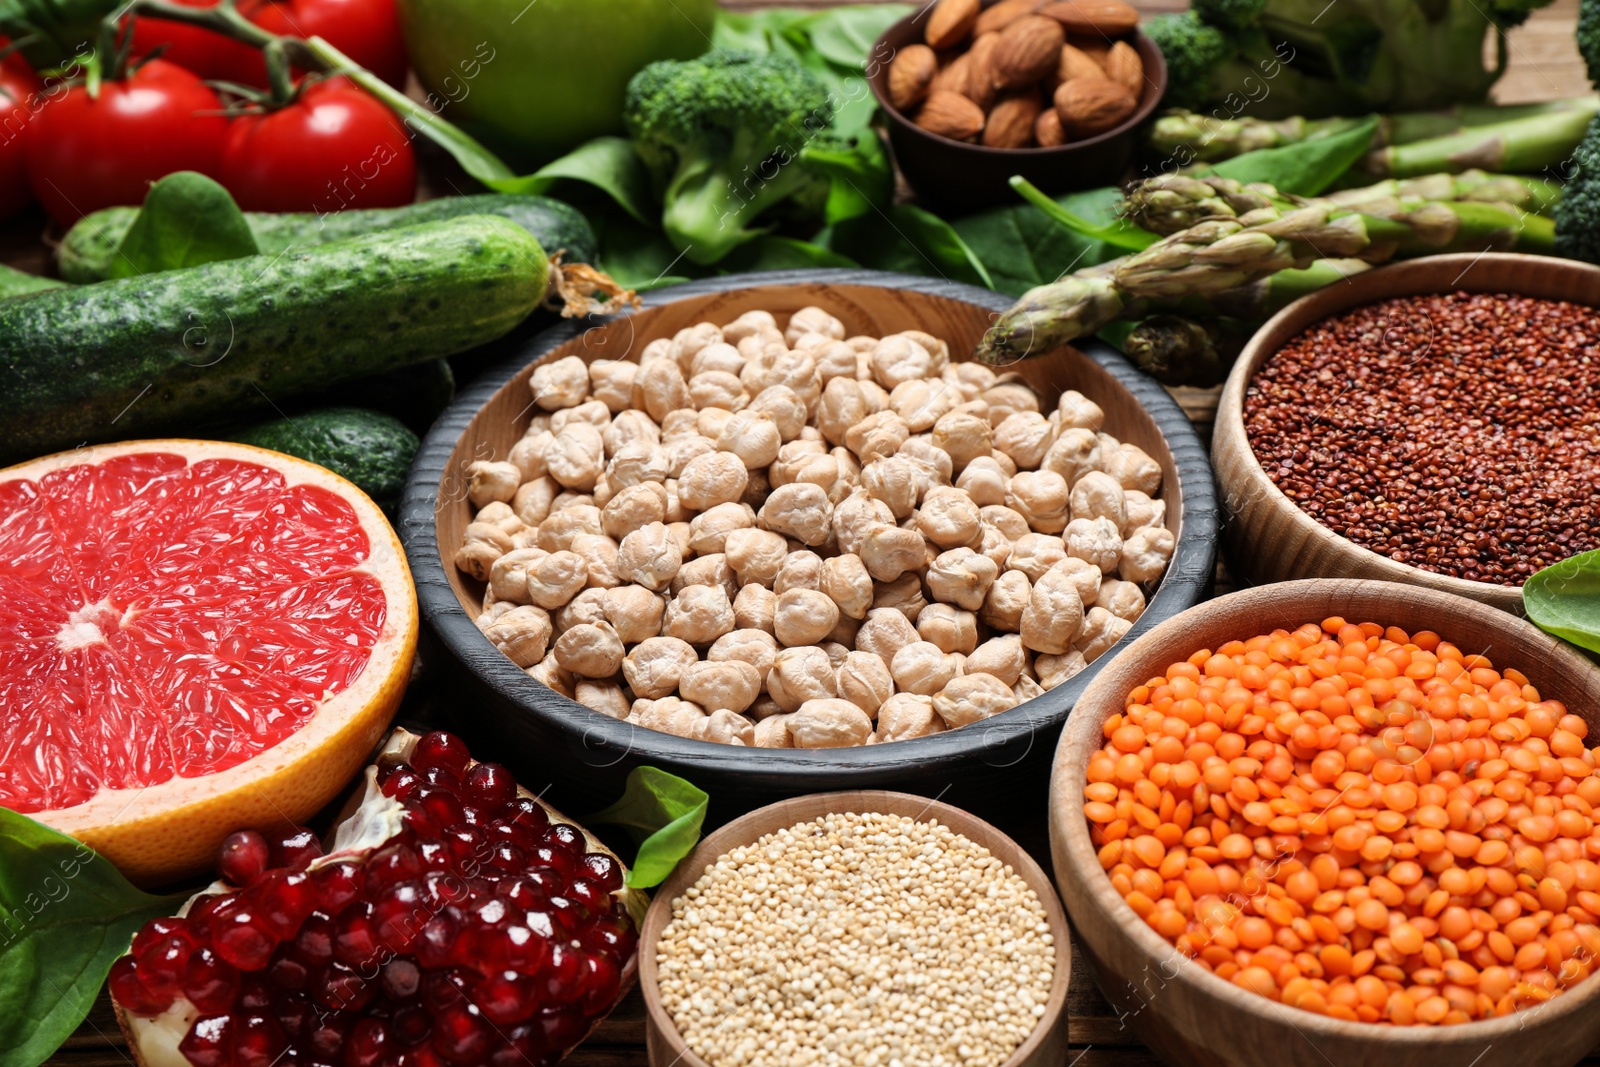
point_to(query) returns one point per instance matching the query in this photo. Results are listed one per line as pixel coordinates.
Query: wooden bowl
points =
(1045, 1047)
(956, 175)
(992, 764)
(1187, 1014)
(1269, 539)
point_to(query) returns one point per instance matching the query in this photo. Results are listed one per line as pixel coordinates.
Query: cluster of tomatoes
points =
(332, 146)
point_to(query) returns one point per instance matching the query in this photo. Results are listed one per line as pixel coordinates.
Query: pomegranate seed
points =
(557, 859)
(257, 1040)
(506, 997)
(298, 1017)
(602, 869)
(401, 783)
(440, 807)
(400, 914)
(295, 848)
(459, 1034)
(527, 813)
(411, 1025)
(560, 980)
(440, 749)
(241, 941)
(161, 967)
(436, 942)
(563, 1027)
(326, 1038)
(339, 988)
(421, 1056)
(396, 863)
(283, 900)
(516, 948)
(435, 855)
(209, 983)
(567, 836)
(590, 895)
(159, 930)
(286, 972)
(443, 779)
(314, 944)
(441, 990)
(336, 885)
(355, 936)
(599, 981)
(508, 858)
(401, 979)
(468, 846)
(209, 1043)
(368, 1043)
(489, 786)
(208, 908)
(528, 890)
(244, 858)
(569, 915)
(129, 988)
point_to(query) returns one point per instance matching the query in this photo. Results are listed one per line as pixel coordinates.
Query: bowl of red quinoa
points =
(1435, 422)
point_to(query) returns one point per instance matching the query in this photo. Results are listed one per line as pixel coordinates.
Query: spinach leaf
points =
(749, 31)
(1116, 231)
(1306, 168)
(66, 914)
(846, 35)
(637, 256)
(861, 178)
(909, 240)
(609, 164)
(662, 812)
(1564, 600)
(1023, 247)
(187, 219)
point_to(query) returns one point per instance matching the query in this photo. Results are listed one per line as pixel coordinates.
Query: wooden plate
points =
(546, 737)
(1048, 1043)
(1269, 539)
(1187, 1014)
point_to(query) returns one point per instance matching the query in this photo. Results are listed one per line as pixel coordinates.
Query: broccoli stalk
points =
(725, 137)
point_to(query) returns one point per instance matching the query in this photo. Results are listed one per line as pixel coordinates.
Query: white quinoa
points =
(862, 939)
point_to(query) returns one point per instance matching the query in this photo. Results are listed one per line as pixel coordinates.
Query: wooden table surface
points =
(1544, 65)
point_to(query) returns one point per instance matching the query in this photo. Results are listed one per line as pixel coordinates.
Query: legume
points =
(857, 939)
(1356, 821)
(1454, 433)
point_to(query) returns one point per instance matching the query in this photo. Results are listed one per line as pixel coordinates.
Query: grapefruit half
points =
(195, 638)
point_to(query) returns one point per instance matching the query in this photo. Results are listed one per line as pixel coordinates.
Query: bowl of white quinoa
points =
(866, 927)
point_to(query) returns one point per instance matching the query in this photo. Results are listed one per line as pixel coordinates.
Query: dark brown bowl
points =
(955, 175)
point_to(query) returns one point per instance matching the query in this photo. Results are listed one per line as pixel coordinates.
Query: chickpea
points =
(884, 632)
(754, 608)
(690, 340)
(893, 480)
(1085, 577)
(1100, 630)
(590, 650)
(680, 533)
(922, 402)
(898, 358)
(571, 498)
(1132, 468)
(561, 384)
(709, 480)
(1053, 615)
(932, 461)
(729, 685)
(962, 577)
(661, 389)
(632, 508)
(489, 482)
(921, 667)
(699, 614)
(1006, 601)
(1141, 511)
(1041, 498)
(799, 510)
(654, 666)
(973, 379)
(950, 628)
(889, 552)
(719, 356)
(1145, 555)
(823, 472)
(527, 455)
(904, 595)
(650, 556)
(1007, 398)
(576, 456)
(1006, 520)
(775, 366)
(995, 546)
(907, 715)
(813, 320)
(800, 570)
(855, 515)
(948, 518)
(1098, 496)
(758, 648)
(973, 698)
(547, 672)
(773, 732)
(836, 359)
(792, 459)
(829, 723)
(676, 512)
(522, 633)
(879, 434)
(1122, 599)
(1079, 412)
(755, 555)
(726, 727)
(965, 436)
(1053, 670)
(863, 679)
(681, 451)
(710, 422)
(708, 531)
(749, 324)
(678, 423)
(712, 569)
(800, 674)
(606, 697)
(670, 715)
(804, 617)
(846, 581)
(1095, 541)
(533, 500)
(717, 389)
(630, 427)
(1033, 554)
(611, 383)
(842, 406)
(784, 407)
(638, 464)
(556, 578)
(599, 553)
(592, 412)
(508, 575)
(1003, 656)
(633, 611)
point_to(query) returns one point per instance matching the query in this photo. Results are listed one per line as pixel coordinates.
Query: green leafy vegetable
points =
(609, 164)
(1564, 600)
(187, 220)
(909, 240)
(66, 914)
(1307, 168)
(846, 35)
(662, 812)
(1022, 247)
(1117, 232)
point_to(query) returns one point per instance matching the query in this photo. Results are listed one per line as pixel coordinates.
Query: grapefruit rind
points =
(159, 833)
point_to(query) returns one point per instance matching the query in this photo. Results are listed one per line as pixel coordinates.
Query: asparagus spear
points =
(1527, 145)
(1178, 351)
(1219, 255)
(1169, 203)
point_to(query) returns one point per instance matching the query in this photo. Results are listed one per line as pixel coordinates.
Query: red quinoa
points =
(1456, 433)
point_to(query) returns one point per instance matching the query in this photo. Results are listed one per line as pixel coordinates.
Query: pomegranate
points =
(454, 920)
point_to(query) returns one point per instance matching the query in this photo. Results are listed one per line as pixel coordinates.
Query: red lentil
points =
(1428, 848)
(1454, 433)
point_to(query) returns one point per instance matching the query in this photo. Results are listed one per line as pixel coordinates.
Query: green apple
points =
(534, 79)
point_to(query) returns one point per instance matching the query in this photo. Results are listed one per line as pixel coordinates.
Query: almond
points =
(1004, 14)
(910, 74)
(1076, 63)
(1028, 50)
(1047, 129)
(979, 86)
(951, 21)
(1096, 48)
(1011, 122)
(951, 115)
(1090, 106)
(952, 77)
(1124, 66)
(1108, 18)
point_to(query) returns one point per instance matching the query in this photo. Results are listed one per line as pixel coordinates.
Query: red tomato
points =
(85, 153)
(334, 148)
(368, 31)
(19, 98)
(208, 54)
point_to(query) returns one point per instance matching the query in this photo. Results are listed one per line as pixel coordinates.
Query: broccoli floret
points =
(1194, 50)
(1589, 37)
(1578, 213)
(723, 135)
(1229, 14)
(1510, 13)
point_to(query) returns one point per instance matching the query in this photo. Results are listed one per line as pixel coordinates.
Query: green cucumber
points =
(169, 351)
(14, 282)
(416, 395)
(370, 449)
(90, 246)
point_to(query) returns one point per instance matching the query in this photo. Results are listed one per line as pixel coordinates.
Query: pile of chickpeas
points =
(787, 538)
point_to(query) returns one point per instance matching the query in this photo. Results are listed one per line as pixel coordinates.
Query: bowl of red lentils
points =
(1339, 821)
(1429, 422)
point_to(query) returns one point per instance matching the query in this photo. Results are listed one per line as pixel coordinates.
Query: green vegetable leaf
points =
(906, 239)
(66, 914)
(1304, 169)
(187, 219)
(609, 164)
(845, 35)
(1564, 600)
(662, 812)
(1022, 247)
(1118, 232)
(637, 256)
(860, 176)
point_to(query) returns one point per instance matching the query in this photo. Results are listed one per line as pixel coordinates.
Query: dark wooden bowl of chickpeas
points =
(777, 534)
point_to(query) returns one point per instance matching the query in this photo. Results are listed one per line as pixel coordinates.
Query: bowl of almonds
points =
(977, 91)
